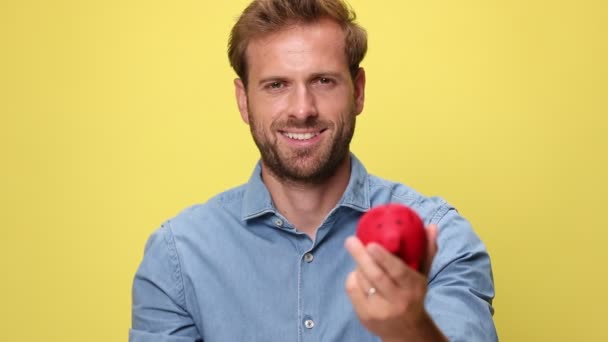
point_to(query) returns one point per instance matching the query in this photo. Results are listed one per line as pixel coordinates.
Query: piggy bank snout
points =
(398, 229)
(391, 240)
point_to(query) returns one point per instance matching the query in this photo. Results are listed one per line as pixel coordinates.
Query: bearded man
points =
(275, 259)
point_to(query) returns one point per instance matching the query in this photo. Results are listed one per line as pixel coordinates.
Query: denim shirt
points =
(234, 269)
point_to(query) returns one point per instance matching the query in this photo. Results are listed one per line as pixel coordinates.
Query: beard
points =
(311, 165)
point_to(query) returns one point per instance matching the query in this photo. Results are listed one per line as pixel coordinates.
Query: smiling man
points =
(275, 259)
(301, 102)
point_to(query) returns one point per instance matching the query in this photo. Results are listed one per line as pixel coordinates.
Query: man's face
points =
(301, 101)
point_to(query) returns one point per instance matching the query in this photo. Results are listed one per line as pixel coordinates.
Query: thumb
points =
(431, 236)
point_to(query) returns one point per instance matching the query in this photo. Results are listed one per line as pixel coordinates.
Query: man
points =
(275, 259)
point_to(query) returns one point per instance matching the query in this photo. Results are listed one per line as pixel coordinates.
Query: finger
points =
(396, 269)
(431, 234)
(364, 283)
(356, 294)
(375, 275)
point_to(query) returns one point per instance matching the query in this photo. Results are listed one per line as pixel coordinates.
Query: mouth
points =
(302, 136)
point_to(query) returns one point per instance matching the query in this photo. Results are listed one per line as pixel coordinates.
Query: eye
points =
(275, 85)
(325, 81)
(379, 226)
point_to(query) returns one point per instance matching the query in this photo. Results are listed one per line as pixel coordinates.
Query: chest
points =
(279, 289)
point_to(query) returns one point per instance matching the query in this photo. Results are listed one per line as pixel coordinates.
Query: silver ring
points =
(371, 291)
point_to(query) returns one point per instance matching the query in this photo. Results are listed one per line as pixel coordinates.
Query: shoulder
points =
(430, 208)
(223, 207)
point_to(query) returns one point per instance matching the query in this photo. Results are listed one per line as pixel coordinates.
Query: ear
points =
(241, 99)
(359, 84)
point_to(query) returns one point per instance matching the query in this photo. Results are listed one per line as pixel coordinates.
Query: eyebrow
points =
(327, 74)
(331, 74)
(271, 78)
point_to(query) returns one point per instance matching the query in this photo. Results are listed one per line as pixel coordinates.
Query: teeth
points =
(300, 136)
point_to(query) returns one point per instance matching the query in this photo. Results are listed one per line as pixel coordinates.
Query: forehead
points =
(302, 47)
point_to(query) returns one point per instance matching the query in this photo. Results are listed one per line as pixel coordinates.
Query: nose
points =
(302, 103)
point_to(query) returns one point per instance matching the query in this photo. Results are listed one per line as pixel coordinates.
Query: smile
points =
(301, 136)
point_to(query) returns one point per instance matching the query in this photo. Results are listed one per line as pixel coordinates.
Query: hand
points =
(388, 296)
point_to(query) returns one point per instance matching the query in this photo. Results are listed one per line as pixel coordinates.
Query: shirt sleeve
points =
(461, 285)
(159, 312)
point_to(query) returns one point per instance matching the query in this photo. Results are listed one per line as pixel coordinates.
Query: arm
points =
(159, 312)
(394, 310)
(453, 303)
(461, 286)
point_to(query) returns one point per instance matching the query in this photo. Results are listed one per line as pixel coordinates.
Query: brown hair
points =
(266, 16)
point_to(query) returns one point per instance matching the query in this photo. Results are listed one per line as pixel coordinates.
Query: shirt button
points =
(308, 257)
(309, 324)
(278, 222)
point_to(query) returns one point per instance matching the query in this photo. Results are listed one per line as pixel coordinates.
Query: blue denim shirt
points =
(234, 269)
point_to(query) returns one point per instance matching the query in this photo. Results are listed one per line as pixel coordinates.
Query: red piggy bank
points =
(398, 229)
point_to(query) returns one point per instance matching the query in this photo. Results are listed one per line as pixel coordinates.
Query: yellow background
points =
(115, 115)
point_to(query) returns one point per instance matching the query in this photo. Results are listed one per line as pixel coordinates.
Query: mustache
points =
(312, 123)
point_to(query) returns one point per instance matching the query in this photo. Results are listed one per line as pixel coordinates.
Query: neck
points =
(306, 205)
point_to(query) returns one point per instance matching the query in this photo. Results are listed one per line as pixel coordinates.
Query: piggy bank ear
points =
(371, 219)
(376, 215)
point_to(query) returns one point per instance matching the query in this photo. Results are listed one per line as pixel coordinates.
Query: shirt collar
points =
(257, 200)
(356, 195)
